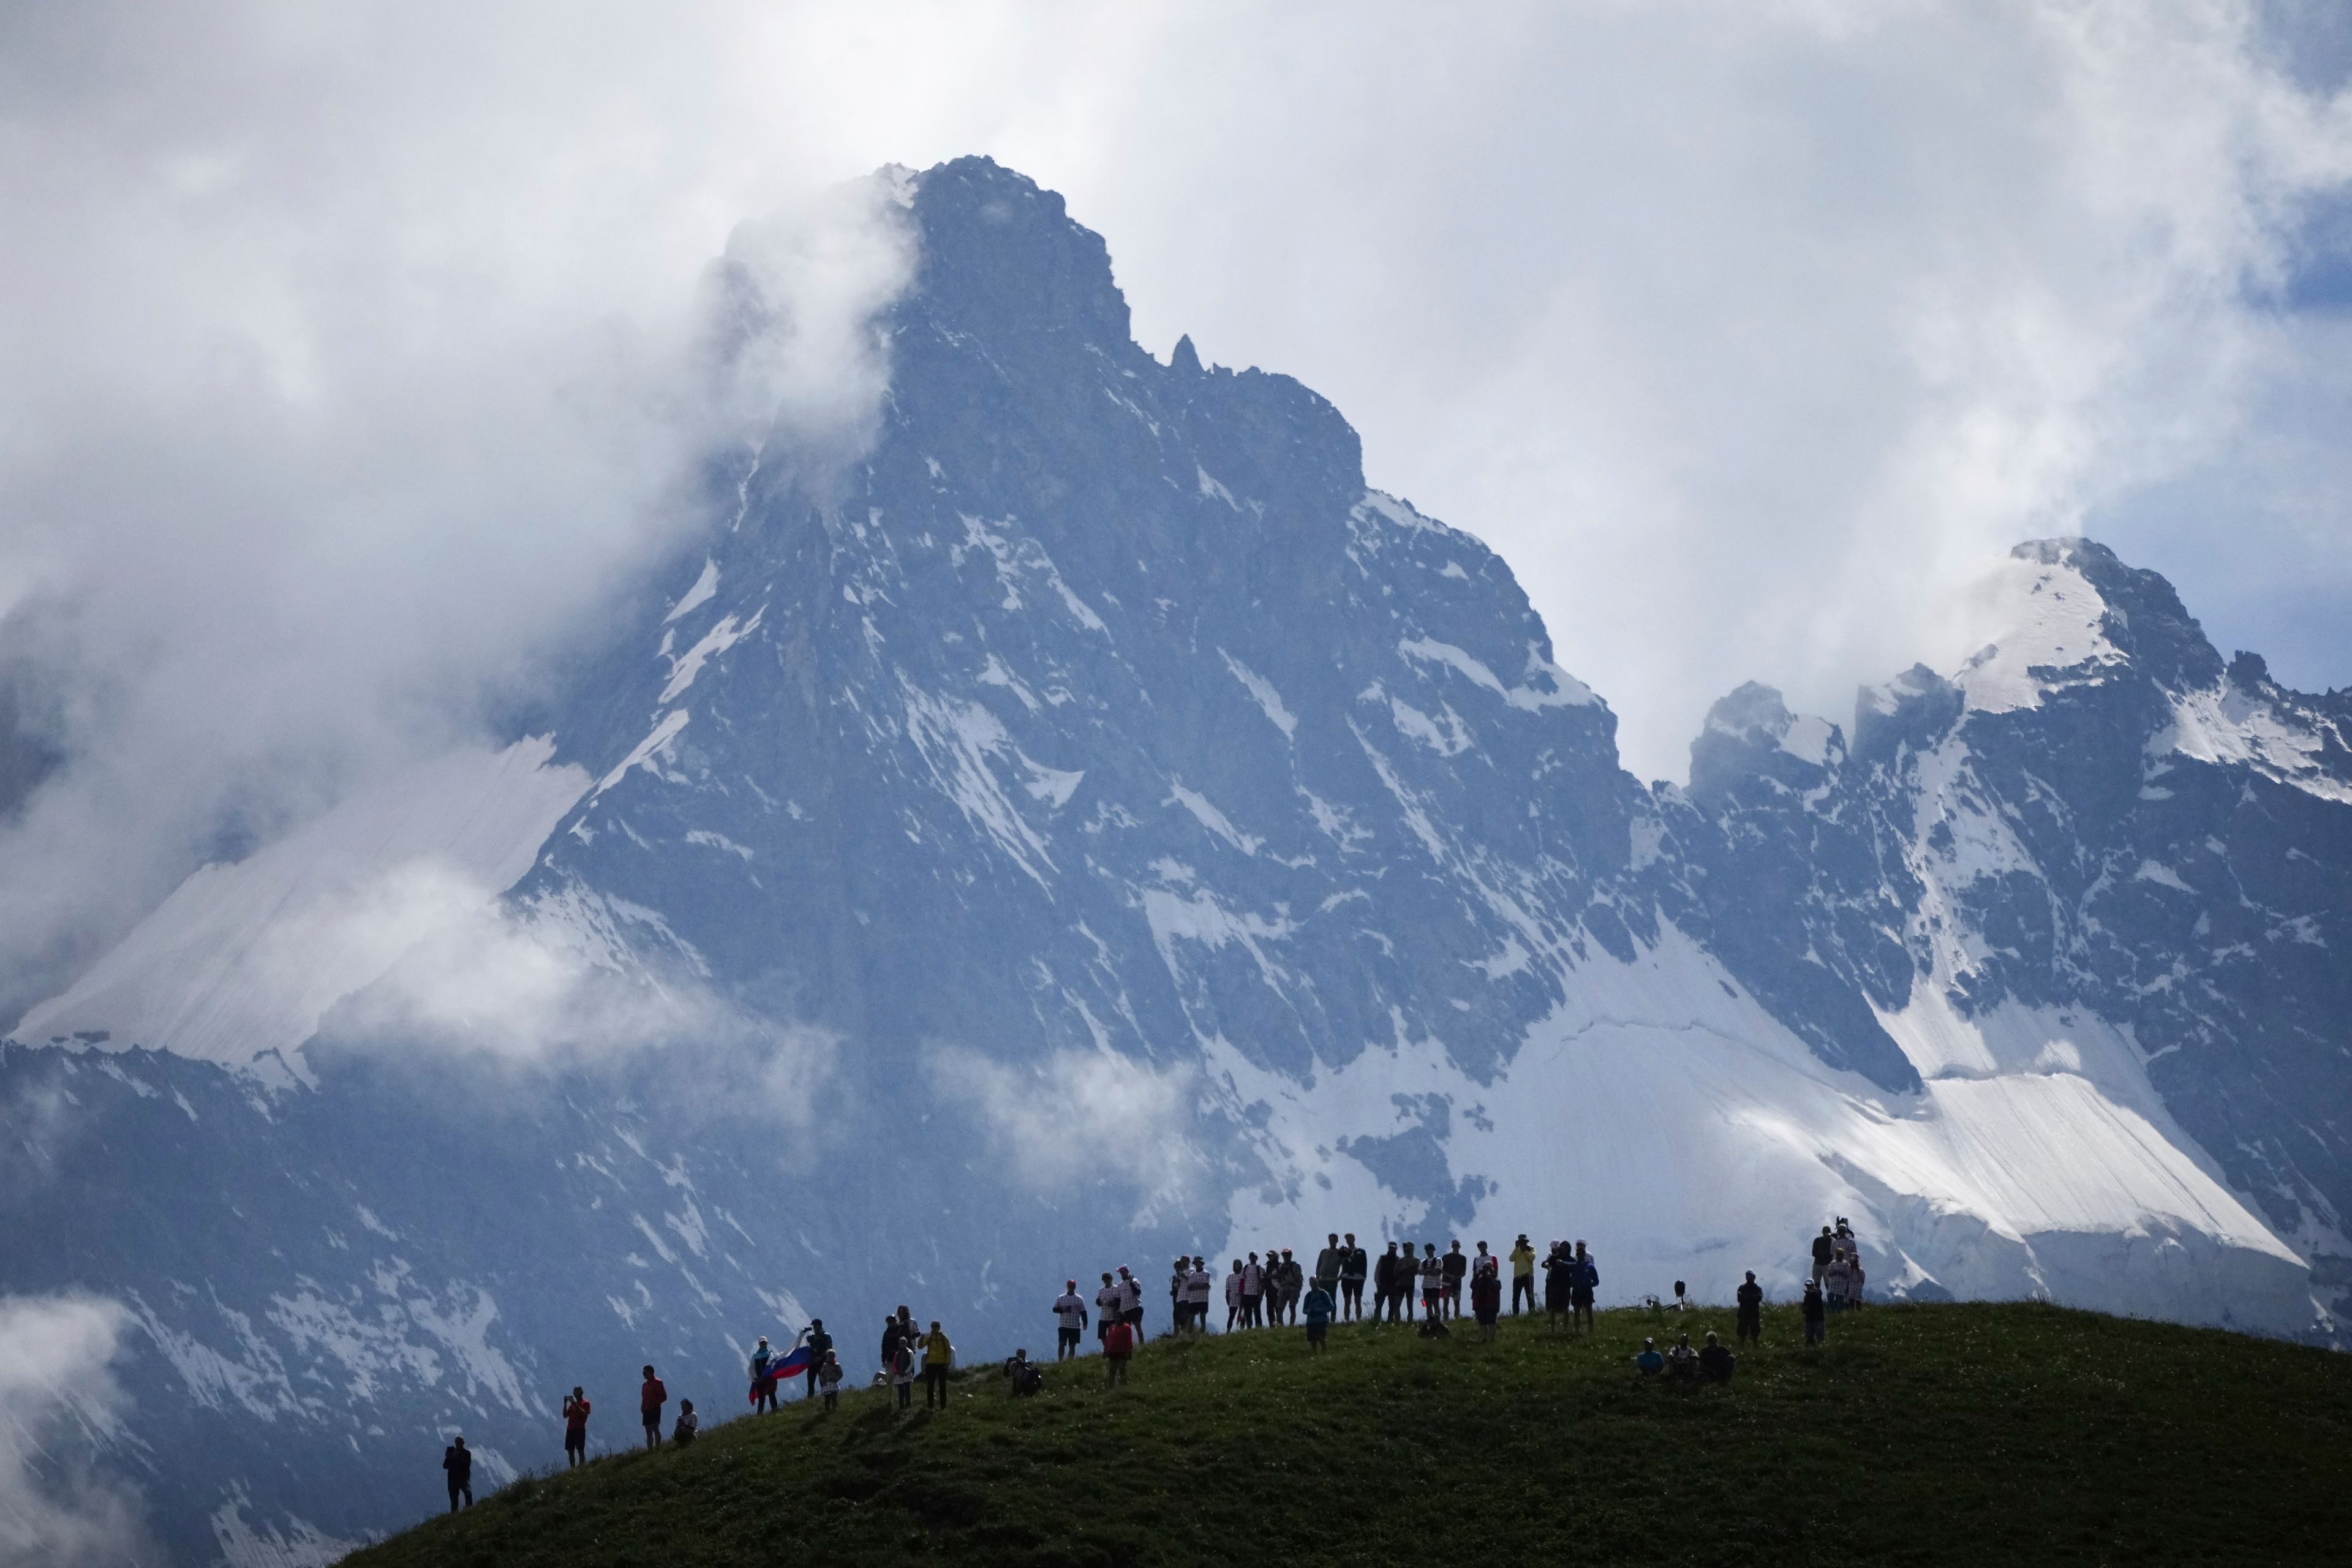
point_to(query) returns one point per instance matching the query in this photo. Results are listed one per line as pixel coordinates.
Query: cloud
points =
(60, 1405)
(1079, 1118)
(358, 358)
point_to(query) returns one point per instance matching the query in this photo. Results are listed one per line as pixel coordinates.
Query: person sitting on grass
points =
(1119, 1346)
(1650, 1361)
(1318, 1309)
(688, 1424)
(1682, 1361)
(1714, 1361)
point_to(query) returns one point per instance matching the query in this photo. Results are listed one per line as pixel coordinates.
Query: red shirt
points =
(575, 1419)
(1119, 1341)
(652, 1397)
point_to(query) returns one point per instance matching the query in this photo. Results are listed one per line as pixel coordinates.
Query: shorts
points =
(1068, 1339)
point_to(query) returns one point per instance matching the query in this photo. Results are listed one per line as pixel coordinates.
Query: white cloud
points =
(353, 361)
(59, 1404)
(1080, 1118)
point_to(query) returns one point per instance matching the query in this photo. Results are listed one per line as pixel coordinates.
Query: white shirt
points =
(1198, 1286)
(1070, 1308)
(1110, 1301)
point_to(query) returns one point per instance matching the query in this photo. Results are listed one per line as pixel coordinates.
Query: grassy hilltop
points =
(1932, 1434)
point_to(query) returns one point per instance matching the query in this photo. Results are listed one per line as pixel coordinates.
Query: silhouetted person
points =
(1384, 1284)
(1327, 1264)
(820, 1345)
(460, 1466)
(1455, 1267)
(1816, 1312)
(1824, 1248)
(1586, 1280)
(1751, 1311)
(1352, 1271)
(939, 1355)
(1714, 1362)
(575, 1428)
(651, 1396)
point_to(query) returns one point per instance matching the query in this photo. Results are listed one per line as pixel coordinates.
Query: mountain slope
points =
(1091, 824)
(1966, 1434)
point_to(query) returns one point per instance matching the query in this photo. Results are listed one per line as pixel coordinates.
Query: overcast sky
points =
(338, 372)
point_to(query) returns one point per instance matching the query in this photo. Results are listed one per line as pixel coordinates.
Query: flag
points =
(791, 1363)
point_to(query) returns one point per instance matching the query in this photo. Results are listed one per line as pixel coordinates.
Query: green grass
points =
(1936, 1433)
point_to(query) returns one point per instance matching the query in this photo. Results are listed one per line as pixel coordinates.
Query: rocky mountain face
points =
(1093, 826)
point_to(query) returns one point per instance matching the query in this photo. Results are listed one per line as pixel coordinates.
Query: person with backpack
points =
(1455, 1269)
(939, 1355)
(1022, 1373)
(1485, 1293)
(651, 1397)
(828, 1379)
(1714, 1361)
(1353, 1267)
(1815, 1314)
(1070, 1322)
(1523, 1273)
(1118, 1347)
(1750, 1297)
(1587, 1281)
(899, 1365)
(458, 1461)
(575, 1428)
(1320, 1309)
(688, 1424)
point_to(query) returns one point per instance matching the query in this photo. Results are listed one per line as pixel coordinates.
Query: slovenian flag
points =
(791, 1363)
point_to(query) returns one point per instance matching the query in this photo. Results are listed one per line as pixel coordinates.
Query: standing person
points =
(1131, 1306)
(1816, 1315)
(1523, 1273)
(1327, 1264)
(1252, 1291)
(1587, 1281)
(1319, 1311)
(1839, 1282)
(900, 1365)
(1198, 1286)
(1433, 1281)
(688, 1424)
(1485, 1293)
(1294, 1285)
(828, 1380)
(937, 1356)
(1853, 1277)
(651, 1397)
(459, 1462)
(1119, 1345)
(1384, 1276)
(1559, 1286)
(1179, 1312)
(890, 1342)
(1352, 1269)
(1070, 1322)
(1110, 1306)
(575, 1428)
(1233, 1297)
(820, 1345)
(1751, 1311)
(763, 1378)
(1824, 1248)
(1456, 1269)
